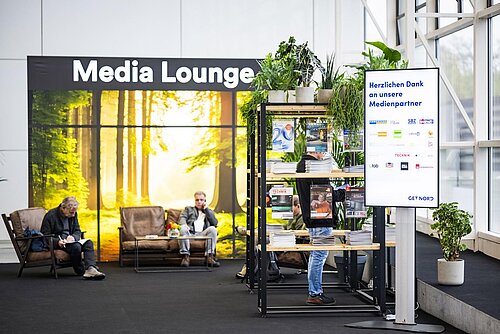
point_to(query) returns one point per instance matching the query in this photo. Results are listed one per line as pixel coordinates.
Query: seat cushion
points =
(162, 245)
(173, 215)
(61, 256)
(143, 220)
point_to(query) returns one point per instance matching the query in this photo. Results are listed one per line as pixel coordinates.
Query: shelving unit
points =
(256, 199)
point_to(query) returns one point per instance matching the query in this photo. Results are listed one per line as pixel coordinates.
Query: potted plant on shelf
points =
(347, 101)
(274, 76)
(329, 77)
(451, 224)
(287, 53)
(307, 64)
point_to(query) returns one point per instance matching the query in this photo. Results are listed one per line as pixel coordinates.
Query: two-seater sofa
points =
(152, 220)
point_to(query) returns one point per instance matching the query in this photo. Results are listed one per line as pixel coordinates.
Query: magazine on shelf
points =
(321, 201)
(281, 202)
(283, 136)
(353, 143)
(316, 137)
(355, 202)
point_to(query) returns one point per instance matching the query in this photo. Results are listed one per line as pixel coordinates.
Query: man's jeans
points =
(210, 231)
(317, 260)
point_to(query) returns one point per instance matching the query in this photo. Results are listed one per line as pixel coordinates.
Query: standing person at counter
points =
(316, 227)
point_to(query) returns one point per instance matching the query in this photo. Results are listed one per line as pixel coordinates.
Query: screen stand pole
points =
(405, 280)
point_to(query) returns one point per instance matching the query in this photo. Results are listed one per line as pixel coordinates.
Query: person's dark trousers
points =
(75, 249)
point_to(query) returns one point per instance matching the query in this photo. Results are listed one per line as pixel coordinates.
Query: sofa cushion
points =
(173, 215)
(146, 244)
(143, 220)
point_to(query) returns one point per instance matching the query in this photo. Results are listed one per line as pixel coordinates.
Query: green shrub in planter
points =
(451, 224)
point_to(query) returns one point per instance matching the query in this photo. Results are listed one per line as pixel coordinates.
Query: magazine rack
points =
(256, 204)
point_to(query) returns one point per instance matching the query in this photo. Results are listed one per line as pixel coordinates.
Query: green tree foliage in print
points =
(55, 161)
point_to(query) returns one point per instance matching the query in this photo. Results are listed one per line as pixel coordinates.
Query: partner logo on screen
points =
(130, 71)
(420, 198)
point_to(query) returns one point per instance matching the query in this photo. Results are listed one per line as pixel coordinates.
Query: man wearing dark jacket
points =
(198, 220)
(62, 224)
(316, 227)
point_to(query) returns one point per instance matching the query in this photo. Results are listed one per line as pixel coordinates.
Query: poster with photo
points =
(355, 202)
(316, 137)
(281, 202)
(283, 136)
(321, 201)
(353, 143)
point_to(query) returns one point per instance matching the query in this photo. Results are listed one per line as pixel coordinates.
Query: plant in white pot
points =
(307, 64)
(329, 77)
(451, 224)
(274, 76)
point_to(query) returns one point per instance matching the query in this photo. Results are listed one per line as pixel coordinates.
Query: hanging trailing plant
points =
(347, 101)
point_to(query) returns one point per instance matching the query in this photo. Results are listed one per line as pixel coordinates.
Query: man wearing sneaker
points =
(316, 227)
(62, 224)
(198, 220)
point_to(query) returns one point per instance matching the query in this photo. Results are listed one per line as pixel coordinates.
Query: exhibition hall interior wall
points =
(150, 28)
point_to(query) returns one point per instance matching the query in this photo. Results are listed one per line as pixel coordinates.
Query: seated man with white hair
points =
(62, 223)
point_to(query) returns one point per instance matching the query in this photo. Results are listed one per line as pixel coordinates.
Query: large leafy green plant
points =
(347, 101)
(451, 224)
(307, 64)
(275, 74)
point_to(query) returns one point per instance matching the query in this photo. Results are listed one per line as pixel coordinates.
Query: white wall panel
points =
(243, 29)
(147, 28)
(324, 29)
(13, 105)
(14, 191)
(20, 28)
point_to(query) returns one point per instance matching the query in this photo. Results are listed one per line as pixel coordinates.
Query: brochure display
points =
(281, 202)
(321, 201)
(355, 202)
(283, 136)
(401, 137)
(316, 137)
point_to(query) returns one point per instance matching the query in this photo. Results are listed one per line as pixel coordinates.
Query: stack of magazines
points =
(361, 237)
(323, 240)
(274, 228)
(354, 169)
(283, 167)
(282, 239)
(390, 231)
(319, 166)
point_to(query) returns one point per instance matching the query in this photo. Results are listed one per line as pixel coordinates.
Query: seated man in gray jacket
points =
(198, 220)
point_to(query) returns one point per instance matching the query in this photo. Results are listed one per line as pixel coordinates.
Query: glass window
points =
(495, 190)
(456, 58)
(456, 177)
(495, 77)
(379, 11)
(453, 6)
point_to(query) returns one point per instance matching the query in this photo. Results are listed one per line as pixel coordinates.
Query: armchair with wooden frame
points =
(32, 218)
